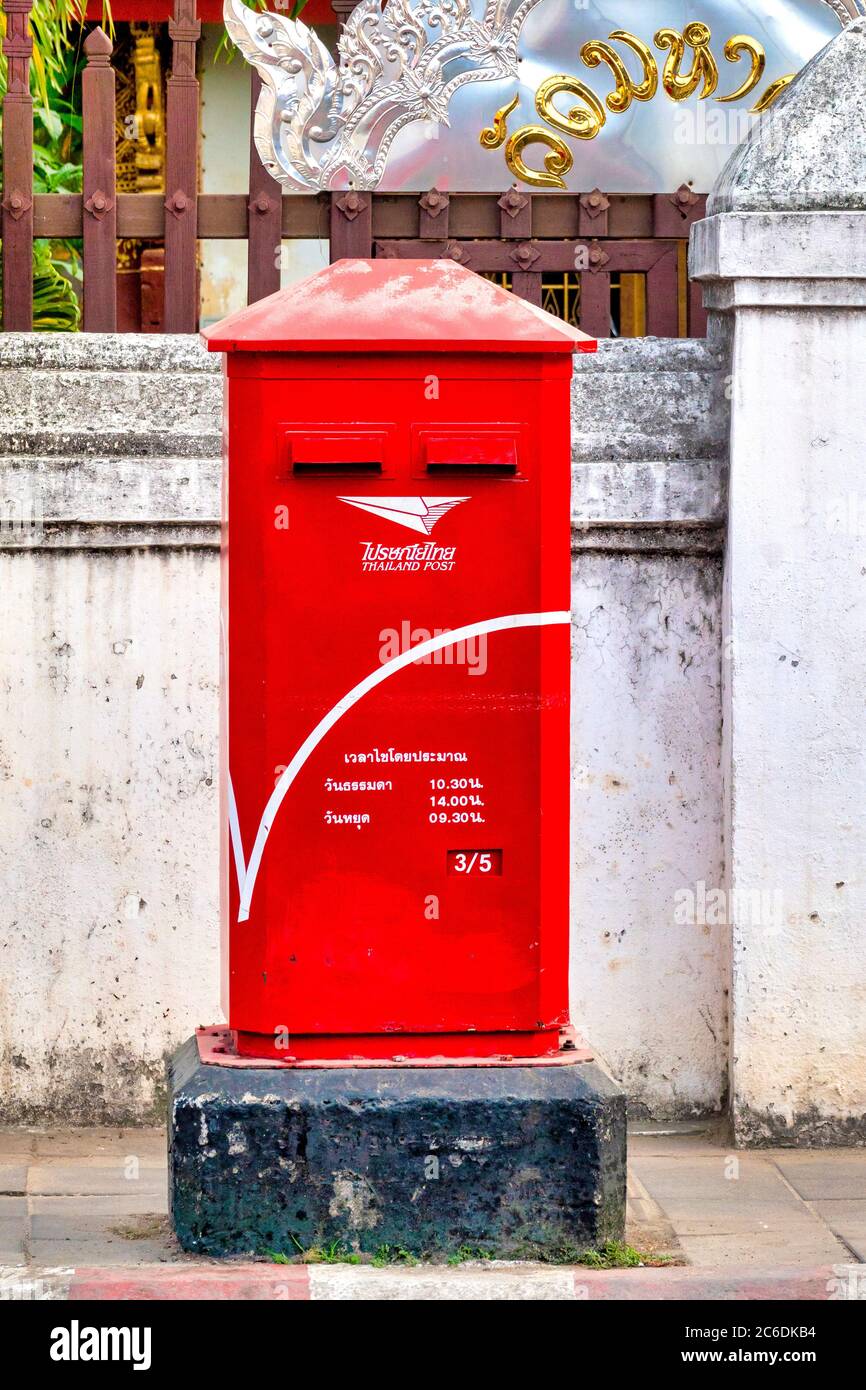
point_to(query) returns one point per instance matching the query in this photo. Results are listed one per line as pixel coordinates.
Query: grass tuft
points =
(392, 1255)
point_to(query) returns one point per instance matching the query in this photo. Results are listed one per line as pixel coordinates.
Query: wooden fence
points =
(588, 245)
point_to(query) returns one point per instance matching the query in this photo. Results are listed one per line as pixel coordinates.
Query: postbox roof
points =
(394, 306)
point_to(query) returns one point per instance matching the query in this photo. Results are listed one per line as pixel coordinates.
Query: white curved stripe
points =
(390, 668)
(235, 831)
(234, 823)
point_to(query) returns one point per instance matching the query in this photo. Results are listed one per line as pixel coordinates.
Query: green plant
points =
(334, 1254)
(56, 29)
(464, 1253)
(57, 169)
(54, 168)
(392, 1255)
(55, 83)
(614, 1254)
(55, 303)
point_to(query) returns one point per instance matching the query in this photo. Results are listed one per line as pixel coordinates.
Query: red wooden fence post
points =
(351, 225)
(526, 282)
(181, 174)
(17, 222)
(264, 217)
(99, 192)
(595, 303)
(662, 288)
(594, 289)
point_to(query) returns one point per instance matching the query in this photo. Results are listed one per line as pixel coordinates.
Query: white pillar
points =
(782, 256)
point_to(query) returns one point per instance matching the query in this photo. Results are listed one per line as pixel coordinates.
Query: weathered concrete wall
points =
(649, 438)
(784, 261)
(108, 691)
(108, 825)
(108, 716)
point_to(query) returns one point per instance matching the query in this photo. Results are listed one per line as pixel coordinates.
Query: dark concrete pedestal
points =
(517, 1160)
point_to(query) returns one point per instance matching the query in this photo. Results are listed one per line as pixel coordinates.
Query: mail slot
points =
(331, 451)
(395, 728)
(487, 453)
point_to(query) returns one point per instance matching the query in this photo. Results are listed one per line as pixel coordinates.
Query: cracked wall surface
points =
(108, 717)
(649, 441)
(649, 991)
(109, 802)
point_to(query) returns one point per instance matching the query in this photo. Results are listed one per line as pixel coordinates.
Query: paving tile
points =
(782, 1207)
(110, 1250)
(95, 1143)
(12, 1254)
(820, 1175)
(647, 1227)
(728, 1219)
(13, 1246)
(90, 1218)
(16, 1143)
(96, 1176)
(846, 1218)
(96, 1232)
(857, 1245)
(93, 1231)
(13, 1229)
(13, 1178)
(755, 1210)
(780, 1249)
(684, 1183)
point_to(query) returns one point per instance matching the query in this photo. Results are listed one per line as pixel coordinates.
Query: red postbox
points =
(396, 592)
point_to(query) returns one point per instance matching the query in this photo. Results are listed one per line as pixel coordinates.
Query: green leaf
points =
(50, 121)
(55, 303)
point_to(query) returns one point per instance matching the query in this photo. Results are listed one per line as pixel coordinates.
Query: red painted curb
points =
(286, 1283)
(293, 1283)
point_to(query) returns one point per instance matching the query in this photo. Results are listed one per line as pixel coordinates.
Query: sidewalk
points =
(767, 1207)
(83, 1214)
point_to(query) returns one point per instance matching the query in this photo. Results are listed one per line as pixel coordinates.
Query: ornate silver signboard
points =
(635, 96)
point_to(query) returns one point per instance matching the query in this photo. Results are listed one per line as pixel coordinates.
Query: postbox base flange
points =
(224, 1047)
(514, 1161)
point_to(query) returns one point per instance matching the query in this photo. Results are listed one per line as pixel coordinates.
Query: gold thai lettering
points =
(595, 52)
(647, 88)
(585, 119)
(774, 90)
(582, 124)
(492, 136)
(557, 162)
(734, 50)
(703, 69)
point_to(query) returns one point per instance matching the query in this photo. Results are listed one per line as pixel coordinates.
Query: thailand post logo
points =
(417, 513)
